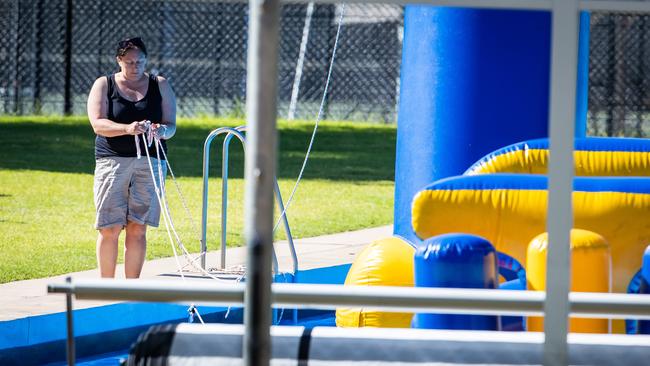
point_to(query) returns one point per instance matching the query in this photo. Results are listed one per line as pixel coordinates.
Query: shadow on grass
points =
(339, 153)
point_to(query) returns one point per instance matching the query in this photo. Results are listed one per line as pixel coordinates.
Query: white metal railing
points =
(385, 298)
(562, 106)
(225, 162)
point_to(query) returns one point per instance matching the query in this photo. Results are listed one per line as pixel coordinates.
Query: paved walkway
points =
(28, 298)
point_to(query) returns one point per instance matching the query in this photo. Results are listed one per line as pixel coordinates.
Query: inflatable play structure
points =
(473, 228)
(470, 189)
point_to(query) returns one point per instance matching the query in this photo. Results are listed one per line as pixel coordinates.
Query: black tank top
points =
(122, 110)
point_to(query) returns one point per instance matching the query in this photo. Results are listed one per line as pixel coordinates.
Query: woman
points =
(120, 106)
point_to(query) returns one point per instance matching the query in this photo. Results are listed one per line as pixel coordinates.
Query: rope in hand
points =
(150, 137)
(154, 137)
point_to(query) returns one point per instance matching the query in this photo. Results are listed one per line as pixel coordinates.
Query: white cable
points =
(238, 280)
(318, 118)
(188, 257)
(185, 206)
(160, 202)
(178, 189)
(161, 195)
(137, 147)
(159, 189)
(195, 311)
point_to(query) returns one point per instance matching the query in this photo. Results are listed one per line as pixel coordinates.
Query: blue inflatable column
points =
(456, 260)
(472, 81)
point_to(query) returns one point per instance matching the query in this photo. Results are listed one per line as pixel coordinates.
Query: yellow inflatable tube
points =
(509, 210)
(590, 272)
(386, 262)
(593, 156)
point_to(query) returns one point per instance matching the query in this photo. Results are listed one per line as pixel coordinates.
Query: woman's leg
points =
(135, 249)
(107, 250)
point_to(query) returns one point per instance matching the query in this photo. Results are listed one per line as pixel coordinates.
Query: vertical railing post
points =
(564, 64)
(70, 348)
(224, 198)
(261, 106)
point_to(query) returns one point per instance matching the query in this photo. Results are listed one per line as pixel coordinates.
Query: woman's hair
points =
(129, 44)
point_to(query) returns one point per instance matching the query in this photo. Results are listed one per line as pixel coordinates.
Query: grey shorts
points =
(124, 191)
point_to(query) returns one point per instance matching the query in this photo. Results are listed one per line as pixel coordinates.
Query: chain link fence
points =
(52, 51)
(619, 75)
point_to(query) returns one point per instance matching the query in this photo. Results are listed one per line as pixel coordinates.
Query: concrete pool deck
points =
(22, 299)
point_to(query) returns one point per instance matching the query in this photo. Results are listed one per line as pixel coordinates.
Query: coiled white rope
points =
(164, 208)
(185, 206)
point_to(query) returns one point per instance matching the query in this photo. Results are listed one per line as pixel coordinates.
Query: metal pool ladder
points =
(239, 133)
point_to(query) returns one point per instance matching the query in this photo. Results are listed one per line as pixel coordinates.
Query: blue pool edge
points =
(42, 339)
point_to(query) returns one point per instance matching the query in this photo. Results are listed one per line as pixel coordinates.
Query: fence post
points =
(38, 55)
(100, 38)
(17, 59)
(67, 49)
(643, 29)
(217, 48)
(331, 39)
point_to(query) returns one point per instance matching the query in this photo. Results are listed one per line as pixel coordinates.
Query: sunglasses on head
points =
(137, 41)
(130, 43)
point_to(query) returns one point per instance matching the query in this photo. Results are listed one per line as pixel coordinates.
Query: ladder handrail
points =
(237, 132)
(224, 196)
(206, 165)
(284, 218)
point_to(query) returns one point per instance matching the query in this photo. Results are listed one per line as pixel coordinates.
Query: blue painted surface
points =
(105, 359)
(472, 81)
(115, 358)
(582, 85)
(97, 330)
(439, 261)
(333, 275)
(41, 339)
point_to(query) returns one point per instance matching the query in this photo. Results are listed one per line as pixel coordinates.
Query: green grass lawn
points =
(47, 213)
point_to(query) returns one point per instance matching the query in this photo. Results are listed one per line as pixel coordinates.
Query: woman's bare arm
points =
(168, 109)
(97, 107)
